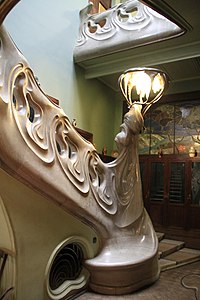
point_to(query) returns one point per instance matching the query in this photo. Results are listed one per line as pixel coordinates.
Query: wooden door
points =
(171, 190)
(194, 195)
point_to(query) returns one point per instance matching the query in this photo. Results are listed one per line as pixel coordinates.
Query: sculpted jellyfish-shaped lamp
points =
(128, 259)
(143, 86)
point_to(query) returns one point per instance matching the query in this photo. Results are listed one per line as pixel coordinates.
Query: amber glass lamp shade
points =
(143, 86)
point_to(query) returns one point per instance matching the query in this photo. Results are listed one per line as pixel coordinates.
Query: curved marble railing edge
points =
(39, 133)
(51, 143)
(124, 26)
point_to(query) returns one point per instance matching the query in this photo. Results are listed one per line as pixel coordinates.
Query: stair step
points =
(160, 236)
(173, 254)
(167, 247)
(184, 256)
(166, 264)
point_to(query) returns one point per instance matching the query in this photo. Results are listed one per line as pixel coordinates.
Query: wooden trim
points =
(105, 3)
(85, 134)
(190, 237)
(52, 99)
(191, 98)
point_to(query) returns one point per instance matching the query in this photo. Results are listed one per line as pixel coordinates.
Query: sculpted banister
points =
(40, 146)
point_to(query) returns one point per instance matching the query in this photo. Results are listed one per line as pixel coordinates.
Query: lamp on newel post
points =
(143, 86)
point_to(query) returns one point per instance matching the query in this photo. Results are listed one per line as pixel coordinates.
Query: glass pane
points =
(196, 183)
(162, 129)
(177, 183)
(187, 128)
(157, 181)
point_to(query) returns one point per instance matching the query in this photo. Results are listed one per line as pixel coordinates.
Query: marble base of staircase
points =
(123, 266)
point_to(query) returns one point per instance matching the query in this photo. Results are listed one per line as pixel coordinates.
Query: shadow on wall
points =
(96, 106)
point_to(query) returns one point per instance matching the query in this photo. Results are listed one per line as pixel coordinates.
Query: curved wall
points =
(38, 227)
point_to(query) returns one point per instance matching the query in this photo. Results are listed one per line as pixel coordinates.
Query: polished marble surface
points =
(168, 287)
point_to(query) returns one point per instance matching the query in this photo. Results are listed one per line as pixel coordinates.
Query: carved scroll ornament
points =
(48, 133)
(46, 130)
(126, 25)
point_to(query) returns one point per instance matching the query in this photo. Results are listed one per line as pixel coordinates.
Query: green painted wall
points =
(46, 31)
(38, 227)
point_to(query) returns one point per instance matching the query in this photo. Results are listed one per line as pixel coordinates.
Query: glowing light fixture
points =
(143, 86)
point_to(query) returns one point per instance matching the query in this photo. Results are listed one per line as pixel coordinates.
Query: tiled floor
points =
(170, 286)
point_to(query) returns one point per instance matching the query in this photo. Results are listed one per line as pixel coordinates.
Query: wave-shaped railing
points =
(126, 25)
(39, 146)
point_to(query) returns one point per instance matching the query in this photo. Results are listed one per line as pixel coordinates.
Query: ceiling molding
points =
(166, 10)
(107, 66)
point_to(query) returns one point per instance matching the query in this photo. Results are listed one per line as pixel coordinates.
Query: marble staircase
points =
(173, 253)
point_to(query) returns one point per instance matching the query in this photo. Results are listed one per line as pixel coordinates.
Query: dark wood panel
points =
(191, 237)
(174, 211)
(156, 213)
(194, 217)
(85, 134)
(176, 216)
(105, 3)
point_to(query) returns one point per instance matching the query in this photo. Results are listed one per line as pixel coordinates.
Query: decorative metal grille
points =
(67, 265)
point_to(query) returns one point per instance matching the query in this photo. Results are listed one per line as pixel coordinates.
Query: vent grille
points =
(67, 265)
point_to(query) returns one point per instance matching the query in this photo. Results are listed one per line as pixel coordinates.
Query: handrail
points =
(5, 8)
(44, 135)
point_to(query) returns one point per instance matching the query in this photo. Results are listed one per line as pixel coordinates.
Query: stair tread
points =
(166, 264)
(160, 235)
(167, 247)
(190, 250)
(182, 256)
(172, 242)
(172, 253)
